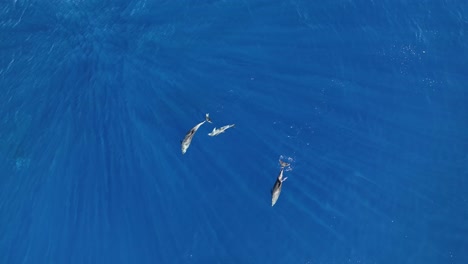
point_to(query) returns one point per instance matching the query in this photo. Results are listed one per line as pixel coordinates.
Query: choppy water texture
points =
(368, 98)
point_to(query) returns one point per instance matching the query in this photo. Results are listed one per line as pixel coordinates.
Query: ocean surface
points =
(368, 101)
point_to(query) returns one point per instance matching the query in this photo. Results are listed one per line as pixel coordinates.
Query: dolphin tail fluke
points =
(207, 118)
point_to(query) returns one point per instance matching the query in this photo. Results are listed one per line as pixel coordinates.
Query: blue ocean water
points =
(367, 99)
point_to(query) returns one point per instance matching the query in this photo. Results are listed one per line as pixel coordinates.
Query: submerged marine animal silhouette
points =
(216, 132)
(185, 144)
(276, 190)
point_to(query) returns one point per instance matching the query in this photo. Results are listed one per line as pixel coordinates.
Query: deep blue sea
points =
(368, 101)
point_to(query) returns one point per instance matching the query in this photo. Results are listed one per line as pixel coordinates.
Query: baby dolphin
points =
(188, 138)
(275, 192)
(216, 132)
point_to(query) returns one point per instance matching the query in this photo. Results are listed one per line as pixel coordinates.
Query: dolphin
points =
(216, 132)
(189, 136)
(275, 192)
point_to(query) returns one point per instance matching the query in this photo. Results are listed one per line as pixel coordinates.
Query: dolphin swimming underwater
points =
(185, 144)
(216, 132)
(276, 190)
